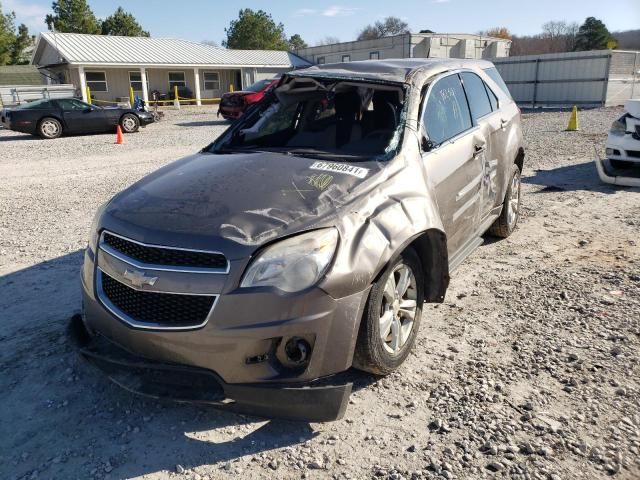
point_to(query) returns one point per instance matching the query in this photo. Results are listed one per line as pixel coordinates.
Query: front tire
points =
(392, 316)
(49, 128)
(130, 123)
(506, 223)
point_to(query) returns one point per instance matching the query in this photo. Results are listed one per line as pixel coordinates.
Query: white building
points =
(110, 65)
(410, 45)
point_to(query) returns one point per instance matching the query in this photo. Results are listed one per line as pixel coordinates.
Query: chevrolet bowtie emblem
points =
(138, 278)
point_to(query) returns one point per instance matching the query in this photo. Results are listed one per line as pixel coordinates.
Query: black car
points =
(52, 118)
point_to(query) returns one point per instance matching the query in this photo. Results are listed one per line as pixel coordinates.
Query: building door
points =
(211, 86)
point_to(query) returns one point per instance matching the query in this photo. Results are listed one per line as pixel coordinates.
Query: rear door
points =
(452, 150)
(488, 120)
(80, 117)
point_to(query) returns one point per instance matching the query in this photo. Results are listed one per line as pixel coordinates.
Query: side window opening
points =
(446, 113)
(492, 98)
(476, 95)
(495, 76)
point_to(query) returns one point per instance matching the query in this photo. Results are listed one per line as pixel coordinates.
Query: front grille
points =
(637, 134)
(634, 153)
(160, 309)
(153, 255)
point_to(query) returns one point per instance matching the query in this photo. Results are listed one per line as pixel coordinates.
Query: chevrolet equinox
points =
(305, 239)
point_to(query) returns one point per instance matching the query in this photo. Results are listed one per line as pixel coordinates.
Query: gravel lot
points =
(529, 370)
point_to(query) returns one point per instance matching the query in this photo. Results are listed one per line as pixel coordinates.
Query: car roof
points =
(396, 70)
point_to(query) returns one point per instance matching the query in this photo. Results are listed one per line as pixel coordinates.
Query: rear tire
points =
(391, 317)
(506, 223)
(130, 123)
(49, 128)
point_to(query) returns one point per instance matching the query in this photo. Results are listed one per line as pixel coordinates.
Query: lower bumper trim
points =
(313, 402)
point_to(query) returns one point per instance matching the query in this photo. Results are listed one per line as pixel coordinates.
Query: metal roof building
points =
(110, 65)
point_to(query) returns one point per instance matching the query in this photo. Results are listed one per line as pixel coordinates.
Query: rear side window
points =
(492, 97)
(446, 113)
(495, 76)
(476, 94)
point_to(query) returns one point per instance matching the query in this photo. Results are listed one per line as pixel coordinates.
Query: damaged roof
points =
(82, 49)
(391, 70)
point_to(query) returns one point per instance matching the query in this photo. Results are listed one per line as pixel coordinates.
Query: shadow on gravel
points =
(581, 176)
(203, 123)
(19, 136)
(62, 418)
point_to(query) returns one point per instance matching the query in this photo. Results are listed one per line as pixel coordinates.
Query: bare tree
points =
(328, 40)
(556, 37)
(385, 28)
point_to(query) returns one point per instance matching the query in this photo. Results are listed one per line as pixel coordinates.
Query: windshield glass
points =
(258, 86)
(319, 118)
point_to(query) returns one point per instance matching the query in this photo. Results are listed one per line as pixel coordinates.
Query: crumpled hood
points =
(233, 202)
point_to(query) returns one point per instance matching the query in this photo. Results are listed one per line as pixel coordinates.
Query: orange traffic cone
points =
(119, 136)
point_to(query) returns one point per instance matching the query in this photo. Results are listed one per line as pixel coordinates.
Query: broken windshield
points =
(309, 117)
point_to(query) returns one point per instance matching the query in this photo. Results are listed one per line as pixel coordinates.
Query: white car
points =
(623, 144)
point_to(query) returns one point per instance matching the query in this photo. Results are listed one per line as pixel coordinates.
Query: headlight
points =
(295, 263)
(93, 233)
(619, 127)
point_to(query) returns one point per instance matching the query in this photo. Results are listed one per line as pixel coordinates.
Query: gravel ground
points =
(528, 370)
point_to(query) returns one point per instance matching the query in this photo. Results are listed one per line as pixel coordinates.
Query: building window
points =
(320, 60)
(97, 81)
(374, 55)
(346, 58)
(211, 80)
(135, 80)
(176, 79)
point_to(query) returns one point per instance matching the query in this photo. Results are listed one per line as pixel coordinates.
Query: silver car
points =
(305, 239)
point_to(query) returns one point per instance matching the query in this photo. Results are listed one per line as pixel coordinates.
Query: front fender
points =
(384, 223)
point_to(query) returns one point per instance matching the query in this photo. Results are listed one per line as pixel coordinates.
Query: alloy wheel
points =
(50, 128)
(514, 201)
(129, 124)
(398, 309)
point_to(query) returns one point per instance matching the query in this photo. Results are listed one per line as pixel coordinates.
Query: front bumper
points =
(623, 147)
(145, 119)
(318, 401)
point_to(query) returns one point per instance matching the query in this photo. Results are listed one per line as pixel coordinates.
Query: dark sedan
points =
(52, 118)
(234, 104)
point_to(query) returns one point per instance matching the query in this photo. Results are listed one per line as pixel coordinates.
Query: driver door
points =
(453, 149)
(80, 117)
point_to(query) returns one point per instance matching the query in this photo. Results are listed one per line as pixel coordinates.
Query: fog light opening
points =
(297, 350)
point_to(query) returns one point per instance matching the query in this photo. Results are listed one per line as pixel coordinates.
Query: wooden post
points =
(131, 99)
(176, 100)
(88, 94)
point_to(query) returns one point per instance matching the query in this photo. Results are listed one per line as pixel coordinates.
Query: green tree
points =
(72, 16)
(20, 44)
(255, 31)
(592, 35)
(7, 36)
(296, 42)
(385, 28)
(12, 44)
(124, 24)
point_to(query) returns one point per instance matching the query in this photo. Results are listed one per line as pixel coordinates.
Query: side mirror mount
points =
(426, 144)
(87, 110)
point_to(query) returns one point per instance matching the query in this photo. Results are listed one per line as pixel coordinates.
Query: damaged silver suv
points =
(305, 239)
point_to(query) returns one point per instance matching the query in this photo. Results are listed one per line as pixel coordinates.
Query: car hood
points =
(234, 202)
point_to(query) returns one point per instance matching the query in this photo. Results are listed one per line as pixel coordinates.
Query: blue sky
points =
(206, 20)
